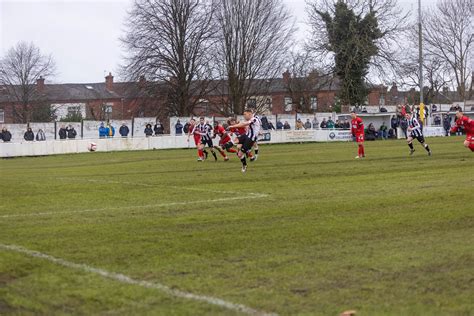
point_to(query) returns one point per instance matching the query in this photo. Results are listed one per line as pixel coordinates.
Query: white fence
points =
(53, 147)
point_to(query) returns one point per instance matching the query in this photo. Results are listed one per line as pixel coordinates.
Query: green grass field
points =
(321, 233)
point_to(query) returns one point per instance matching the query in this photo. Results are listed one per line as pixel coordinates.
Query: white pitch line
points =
(151, 185)
(128, 280)
(255, 196)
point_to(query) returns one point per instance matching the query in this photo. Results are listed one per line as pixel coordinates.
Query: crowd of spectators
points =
(106, 130)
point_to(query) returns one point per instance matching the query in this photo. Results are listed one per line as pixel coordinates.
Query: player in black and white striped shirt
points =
(204, 129)
(416, 131)
(252, 124)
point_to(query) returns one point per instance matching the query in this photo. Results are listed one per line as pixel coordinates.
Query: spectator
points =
(29, 135)
(434, 108)
(110, 130)
(178, 128)
(264, 121)
(371, 132)
(347, 124)
(330, 123)
(364, 110)
(337, 125)
(62, 132)
(383, 133)
(6, 136)
(324, 124)
(40, 136)
(315, 123)
(307, 124)
(158, 129)
(124, 130)
(186, 128)
(437, 120)
(447, 124)
(299, 124)
(270, 126)
(279, 125)
(404, 125)
(71, 132)
(383, 110)
(102, 131)
(392, 134)
(286, 125)
(394, 124)
(148, 130)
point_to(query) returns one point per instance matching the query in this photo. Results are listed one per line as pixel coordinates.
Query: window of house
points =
(268, 105)
(288, 104)
(73, 110)
(2, 116)
(252, 103)
(314, 103)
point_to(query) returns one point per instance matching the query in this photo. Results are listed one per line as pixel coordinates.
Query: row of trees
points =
(182, 46)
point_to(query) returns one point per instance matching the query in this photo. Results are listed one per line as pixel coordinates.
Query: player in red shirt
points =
(197, 137)
(468, 125)
(357, 129)
(225, 142)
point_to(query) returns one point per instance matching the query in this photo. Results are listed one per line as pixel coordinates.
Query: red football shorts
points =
(360, 138)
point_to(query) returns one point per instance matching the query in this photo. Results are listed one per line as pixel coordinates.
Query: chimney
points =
(286, 77)
(109, 82)
(142, 81)
(40, 84)
(394, 89)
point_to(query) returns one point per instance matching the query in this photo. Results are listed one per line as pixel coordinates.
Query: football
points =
(92, 147)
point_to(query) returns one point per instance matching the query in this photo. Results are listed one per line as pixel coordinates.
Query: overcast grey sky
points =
(83, 35)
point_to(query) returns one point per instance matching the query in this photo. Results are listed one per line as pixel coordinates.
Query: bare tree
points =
(168, 42)
(254, 38)
(20, 69)
(448, 34)
(437, 74)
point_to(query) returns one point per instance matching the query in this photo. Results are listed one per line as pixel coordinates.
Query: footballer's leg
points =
(410, 144)
(200, 152)
(211, 148)
(221, 151)
(421, 139)
(469, 142)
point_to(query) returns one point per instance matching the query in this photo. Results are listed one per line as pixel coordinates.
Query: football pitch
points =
(308, 230)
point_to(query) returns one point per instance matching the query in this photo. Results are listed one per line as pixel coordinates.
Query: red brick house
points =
(123, 100)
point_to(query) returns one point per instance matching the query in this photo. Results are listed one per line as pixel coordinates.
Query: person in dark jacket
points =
(186, 128)
(62, 133)
(394, 124)
(6, 136)
(40, 136)
(371, 132)
(264, 121)
(404, 126)
(71, 132)
(124, 130)
(178, 128)
(324, 124)
(279, 125)
(286, 125)
(29, 135)
(447, 124)
(158, 129)
(148, 130)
